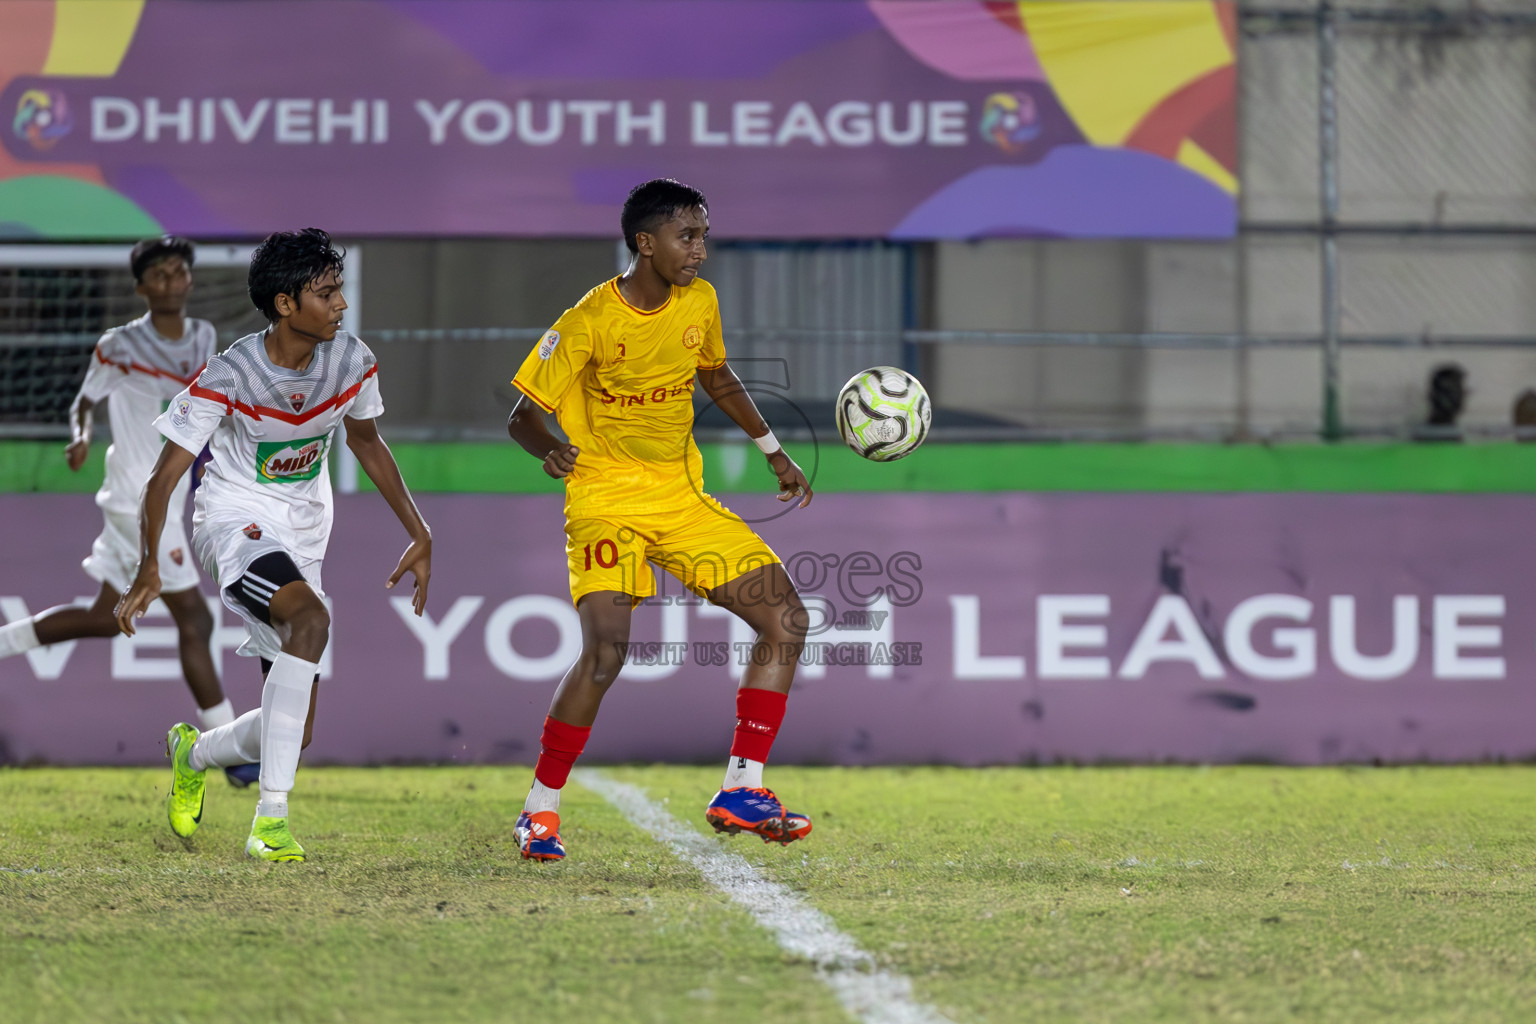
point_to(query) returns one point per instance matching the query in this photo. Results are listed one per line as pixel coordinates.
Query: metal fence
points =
(1388, 170)
(55, 302)
(1421, 209)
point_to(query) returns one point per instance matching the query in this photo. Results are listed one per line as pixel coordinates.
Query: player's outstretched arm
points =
(81, 415)
(528, 427)
(726, 391)
(173, 462)
(379, 463)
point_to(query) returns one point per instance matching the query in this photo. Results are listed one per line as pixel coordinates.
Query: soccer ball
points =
(883, 413)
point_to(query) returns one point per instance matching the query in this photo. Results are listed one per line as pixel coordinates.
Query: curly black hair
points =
(152, 250)
(653, 203)
(287, 262)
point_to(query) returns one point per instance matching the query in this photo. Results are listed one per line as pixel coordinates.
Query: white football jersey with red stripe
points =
(270, 430)
(140, 372)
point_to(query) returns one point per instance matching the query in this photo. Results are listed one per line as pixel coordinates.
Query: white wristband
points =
(768, 443)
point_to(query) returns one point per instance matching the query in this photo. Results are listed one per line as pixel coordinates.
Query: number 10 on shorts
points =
(603, 564)
(605, 553)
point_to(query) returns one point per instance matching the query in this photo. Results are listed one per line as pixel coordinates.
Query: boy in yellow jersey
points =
(618, 370)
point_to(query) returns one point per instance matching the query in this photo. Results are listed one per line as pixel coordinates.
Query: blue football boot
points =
(538, 836)
(756, 811)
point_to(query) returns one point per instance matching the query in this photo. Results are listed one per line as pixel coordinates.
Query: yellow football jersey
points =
(620, 380)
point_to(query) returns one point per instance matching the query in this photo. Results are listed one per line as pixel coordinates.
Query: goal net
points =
(55, 302)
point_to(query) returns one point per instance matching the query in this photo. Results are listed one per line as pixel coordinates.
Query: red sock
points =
(759, 713)
(560, 746)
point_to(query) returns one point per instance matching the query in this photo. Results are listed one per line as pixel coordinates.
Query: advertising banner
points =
(798, 118)
(952, 628)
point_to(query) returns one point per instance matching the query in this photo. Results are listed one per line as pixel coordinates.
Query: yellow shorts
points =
(703, 546)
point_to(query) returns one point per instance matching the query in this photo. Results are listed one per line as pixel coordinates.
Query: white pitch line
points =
(872, 995)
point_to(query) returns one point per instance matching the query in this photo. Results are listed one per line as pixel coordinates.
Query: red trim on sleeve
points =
(525, 389)
(198, 391)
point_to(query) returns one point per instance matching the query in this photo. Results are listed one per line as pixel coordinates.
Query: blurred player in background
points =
(140, 366)
(269, 408)
(618, 372)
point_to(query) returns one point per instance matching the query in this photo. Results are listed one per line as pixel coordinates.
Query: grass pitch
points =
(1179, 894)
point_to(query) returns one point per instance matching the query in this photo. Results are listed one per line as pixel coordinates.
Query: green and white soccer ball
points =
(883, 413)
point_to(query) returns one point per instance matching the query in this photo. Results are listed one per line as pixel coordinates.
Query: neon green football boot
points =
(271, 840)
(185, 804)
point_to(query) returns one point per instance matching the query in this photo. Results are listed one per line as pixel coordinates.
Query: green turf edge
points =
(38, 466)
(28, 467)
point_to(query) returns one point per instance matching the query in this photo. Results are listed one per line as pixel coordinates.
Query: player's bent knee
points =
(275, 592)
(603, 652)
(196, 625)
(795, 620)
(309, 630)
(194, 634)
(606, 664)
(788, 625)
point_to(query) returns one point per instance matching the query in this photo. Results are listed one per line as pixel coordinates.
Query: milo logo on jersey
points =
(286, 462)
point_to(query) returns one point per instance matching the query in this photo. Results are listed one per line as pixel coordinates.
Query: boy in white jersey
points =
(140, 366)
(269, 407)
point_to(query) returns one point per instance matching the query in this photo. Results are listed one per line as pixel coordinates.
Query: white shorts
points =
(226, 551)
(114, 558)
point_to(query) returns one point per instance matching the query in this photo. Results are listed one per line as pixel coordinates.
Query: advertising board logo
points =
(42, 117)
(285, 462)
(1010, 120)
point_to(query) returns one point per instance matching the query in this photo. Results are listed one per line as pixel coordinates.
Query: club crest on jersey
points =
(547, 344)
(253, 531)
(297, 401)
(176, 556)
(693, 337)
(286, 462)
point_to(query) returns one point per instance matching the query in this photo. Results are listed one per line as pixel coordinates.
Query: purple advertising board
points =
(798, 118)
(952, 628)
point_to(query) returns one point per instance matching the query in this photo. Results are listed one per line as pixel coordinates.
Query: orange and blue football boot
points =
(796, 826)
(756, 811)
(538, 836)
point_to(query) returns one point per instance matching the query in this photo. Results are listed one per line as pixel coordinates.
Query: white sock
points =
(239, 742)
(541, 798)
(220, 714)
(17, 638)
(284, 706)
(743, 771)
(272, 805)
